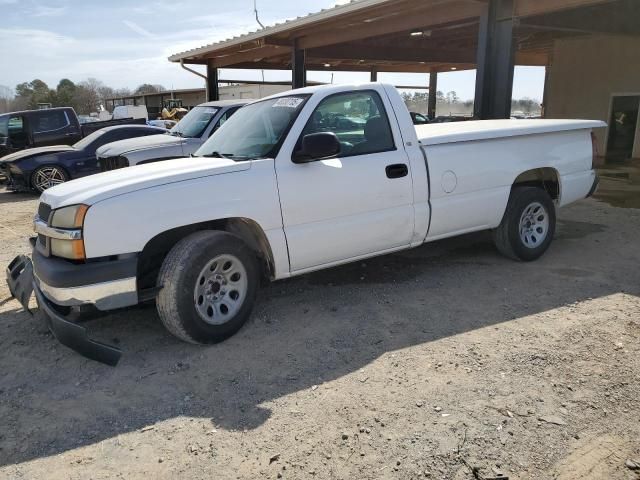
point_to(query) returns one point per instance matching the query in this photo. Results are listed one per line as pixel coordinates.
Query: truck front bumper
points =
(106, 285)
(57, 283)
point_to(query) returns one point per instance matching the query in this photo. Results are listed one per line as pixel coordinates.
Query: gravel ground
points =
(447, 361)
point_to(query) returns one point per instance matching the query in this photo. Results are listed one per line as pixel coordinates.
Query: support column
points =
(374, 74)
(298, 70)
(433, 95)
(213, 93)
(545, 92)
(495, 61)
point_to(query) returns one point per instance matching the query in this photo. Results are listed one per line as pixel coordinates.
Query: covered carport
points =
(427, 36)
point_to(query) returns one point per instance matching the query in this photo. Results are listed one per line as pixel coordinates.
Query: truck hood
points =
(95, 188)
(32, 152)
(141, 143)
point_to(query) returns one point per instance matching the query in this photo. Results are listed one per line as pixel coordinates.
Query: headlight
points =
(69, 217)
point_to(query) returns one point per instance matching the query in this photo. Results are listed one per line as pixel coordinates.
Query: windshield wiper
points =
(176, 134)
(216, 155)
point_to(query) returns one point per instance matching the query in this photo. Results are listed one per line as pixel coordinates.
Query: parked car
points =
(181, 141)
(166, 124)
(43, 167)
(274, 194)
(418, 118)
(51, 126)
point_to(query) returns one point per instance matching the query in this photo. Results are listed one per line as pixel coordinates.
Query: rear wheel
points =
(209, 283)
(528, 225)
(48, 176)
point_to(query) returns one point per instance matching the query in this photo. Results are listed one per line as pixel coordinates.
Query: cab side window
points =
(47, 121)
(358, 119)
(15, 131)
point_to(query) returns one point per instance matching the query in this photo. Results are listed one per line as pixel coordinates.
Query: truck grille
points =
(112, 163)
(44, 210)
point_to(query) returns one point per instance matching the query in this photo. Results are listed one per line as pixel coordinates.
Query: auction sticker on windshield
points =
(288, 102)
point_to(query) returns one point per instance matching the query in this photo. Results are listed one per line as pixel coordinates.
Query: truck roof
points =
(22, 112)
(439, 133)
(227, 103)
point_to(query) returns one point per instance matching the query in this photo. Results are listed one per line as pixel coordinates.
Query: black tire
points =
(181, 271)
(507, 236)
(61, 176)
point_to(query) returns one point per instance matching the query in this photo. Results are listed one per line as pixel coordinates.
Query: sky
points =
(125, 43)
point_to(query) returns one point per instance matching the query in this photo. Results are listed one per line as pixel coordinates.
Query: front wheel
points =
(48, 176)
(528, 225)
(209, 282)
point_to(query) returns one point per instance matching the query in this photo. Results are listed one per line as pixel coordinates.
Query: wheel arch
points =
(156, 249)
(546, 178)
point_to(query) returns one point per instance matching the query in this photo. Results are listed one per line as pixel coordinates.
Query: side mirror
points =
(316, 146)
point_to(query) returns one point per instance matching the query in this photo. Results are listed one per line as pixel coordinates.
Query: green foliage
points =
(148, 88)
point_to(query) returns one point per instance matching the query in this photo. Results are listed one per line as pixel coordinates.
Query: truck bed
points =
(439, 133)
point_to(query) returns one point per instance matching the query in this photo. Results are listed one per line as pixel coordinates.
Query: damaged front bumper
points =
(23, 279)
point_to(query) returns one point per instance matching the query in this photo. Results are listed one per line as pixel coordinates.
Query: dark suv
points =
(38, 128)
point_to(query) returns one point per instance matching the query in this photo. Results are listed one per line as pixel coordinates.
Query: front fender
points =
(125, 223)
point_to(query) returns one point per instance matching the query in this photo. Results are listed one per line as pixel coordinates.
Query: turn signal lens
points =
(71, 249)
(69, 217)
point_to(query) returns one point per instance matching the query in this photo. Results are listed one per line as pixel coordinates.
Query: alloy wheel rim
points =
(48, 177)
(220, 289)
(534, 225)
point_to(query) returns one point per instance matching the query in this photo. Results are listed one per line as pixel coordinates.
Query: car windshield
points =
(254, 131)
(88, 140)
(194, 122)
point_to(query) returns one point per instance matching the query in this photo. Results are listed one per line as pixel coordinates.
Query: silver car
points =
(181, 141)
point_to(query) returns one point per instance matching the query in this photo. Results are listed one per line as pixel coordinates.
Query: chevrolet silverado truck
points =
(282, 189)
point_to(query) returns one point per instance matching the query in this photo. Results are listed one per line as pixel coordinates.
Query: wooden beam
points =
(252, 55)
(428, 17)
(408, 55)
(525, 8)
(346, 67)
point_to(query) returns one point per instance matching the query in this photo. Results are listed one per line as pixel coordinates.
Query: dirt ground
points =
(447, 361)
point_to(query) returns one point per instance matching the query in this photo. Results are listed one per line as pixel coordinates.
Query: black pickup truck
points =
(51, 126)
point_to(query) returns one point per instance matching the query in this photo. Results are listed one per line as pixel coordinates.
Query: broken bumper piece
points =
(21, 284)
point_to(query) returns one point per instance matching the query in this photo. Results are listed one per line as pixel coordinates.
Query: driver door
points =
(359, 202)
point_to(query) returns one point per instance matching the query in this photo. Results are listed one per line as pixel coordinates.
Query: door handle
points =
(397, 170)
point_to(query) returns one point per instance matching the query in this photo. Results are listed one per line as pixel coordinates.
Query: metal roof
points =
(324, 14)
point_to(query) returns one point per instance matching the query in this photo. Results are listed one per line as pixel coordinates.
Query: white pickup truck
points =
(296, 182)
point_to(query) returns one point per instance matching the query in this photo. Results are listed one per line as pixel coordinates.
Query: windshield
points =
(254, 131)
(88, 140)
(194, 122)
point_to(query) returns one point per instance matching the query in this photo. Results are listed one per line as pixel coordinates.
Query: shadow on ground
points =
(15, 197)
(304, 331)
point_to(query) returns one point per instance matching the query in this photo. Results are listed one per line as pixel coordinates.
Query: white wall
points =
(231, 92)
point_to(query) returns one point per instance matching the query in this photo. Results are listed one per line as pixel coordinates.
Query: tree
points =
(452, 97)
(30, 94)
(148, 88)
(6, 99)
(65, 94)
